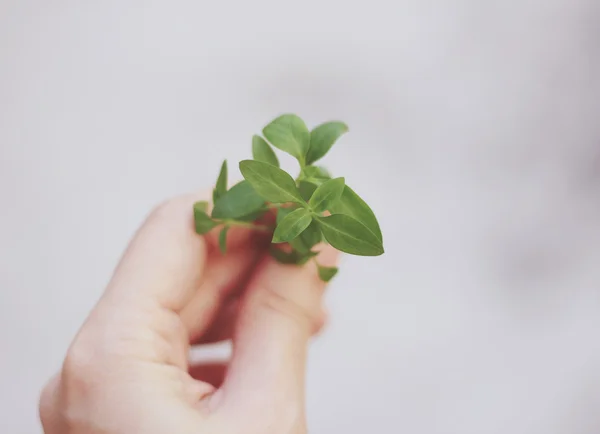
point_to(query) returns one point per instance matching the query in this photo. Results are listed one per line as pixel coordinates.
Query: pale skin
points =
(127, 370)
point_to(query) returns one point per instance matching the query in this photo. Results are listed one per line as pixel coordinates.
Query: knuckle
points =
(171, 333)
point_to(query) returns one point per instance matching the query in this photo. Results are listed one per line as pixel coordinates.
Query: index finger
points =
(165, 260)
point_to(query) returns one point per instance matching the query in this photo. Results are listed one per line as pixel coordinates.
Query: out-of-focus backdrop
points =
(475, 136)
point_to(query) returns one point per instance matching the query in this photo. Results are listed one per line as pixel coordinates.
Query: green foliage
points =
(223, 239)
(351, 204)
(327, 273)
(221, 185)
(201, 206)
(292, 225)
(348, 235)
(204, 223)
(326, 195)
(289, 133)
(293, 257)
(270, 182)
(316, 174)
(311, 236)
(311, 209)
(238, 202)
(261, 151)
(306, 189)
(322, 138)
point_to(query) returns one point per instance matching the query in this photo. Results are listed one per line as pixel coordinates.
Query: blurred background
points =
(474, 135)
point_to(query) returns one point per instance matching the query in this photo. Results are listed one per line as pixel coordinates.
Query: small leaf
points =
(303, 258)
(299, 245)
(284, 257)
(348, 235)
(262, 151)
(351, 204)
(293, 257)
(327, 194)
(324, 172)
(306, 189)
(253, 216)
(292, 225)
(223, 239)
(322, 139)
(327, 273)
(221, 186)
(239, 201)
(202, 205)
(312, 235)
(270, 182)
(282, 213)
(316, 172)
(289, 133)
(304, 242)
(203, 222)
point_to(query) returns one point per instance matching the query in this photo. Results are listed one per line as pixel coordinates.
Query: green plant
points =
(311, 209)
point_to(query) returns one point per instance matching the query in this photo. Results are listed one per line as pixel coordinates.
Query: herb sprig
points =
(312, 208)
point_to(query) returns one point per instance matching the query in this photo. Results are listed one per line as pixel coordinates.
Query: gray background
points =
(474, 135)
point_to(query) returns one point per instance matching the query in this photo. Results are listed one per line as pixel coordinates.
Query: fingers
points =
(279, 314)
(165, 260)
(223, 326)
(160, 273)
(48, 410)
(224, 276)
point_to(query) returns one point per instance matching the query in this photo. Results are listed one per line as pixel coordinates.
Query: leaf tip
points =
(201, 206)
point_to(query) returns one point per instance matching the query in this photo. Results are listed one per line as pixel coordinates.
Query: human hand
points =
(127, 371)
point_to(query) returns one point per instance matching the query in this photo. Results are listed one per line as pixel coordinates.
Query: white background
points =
(475, 136)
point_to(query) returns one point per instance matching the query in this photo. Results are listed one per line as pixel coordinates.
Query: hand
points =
(127, 370)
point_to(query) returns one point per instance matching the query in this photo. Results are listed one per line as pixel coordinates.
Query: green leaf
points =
(221, 185)
(289, 133)
(306, 189)
(351, 204)
(202, 205)
(327, 273)
(312, 235)
(223, 239)
(284, 257)
(303, 258)
(270, 182)
(322, 139)
(348, 235)
(253, 216)
(239, 201)
(292, 225)
(282, 213)
(316, 172)
(297, 243)
(308, 239)
(293, 257)
(203, 222)
(324, 172)
(262, 151)
(327, 194)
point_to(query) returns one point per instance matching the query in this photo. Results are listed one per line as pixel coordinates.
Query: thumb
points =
(283, 305)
